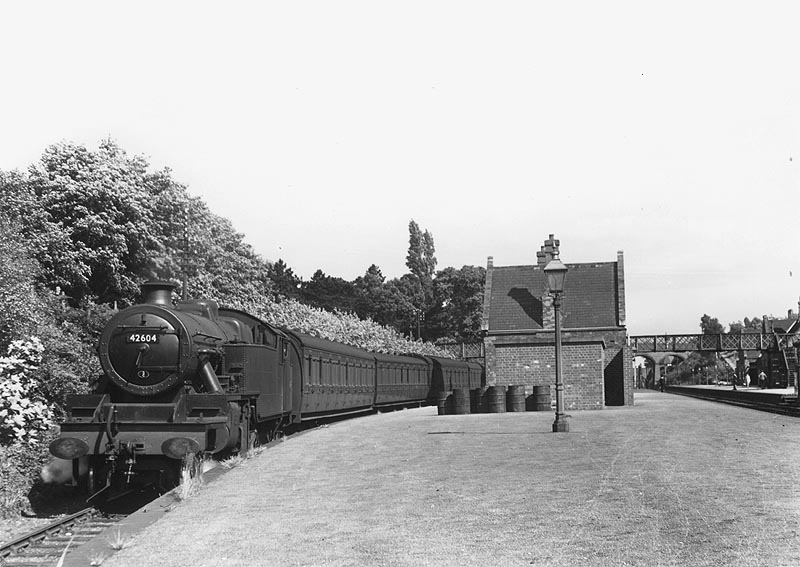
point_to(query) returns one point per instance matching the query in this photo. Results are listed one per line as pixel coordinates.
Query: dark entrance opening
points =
(614, 379)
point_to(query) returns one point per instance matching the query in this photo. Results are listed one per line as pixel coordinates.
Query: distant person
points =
(762, 380)
(746, 379)
(661, 383)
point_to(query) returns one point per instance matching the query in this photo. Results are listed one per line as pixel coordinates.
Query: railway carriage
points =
(337, 379)
(448, 374)
(401, 379)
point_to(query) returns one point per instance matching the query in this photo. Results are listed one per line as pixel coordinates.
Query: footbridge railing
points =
(744, 341)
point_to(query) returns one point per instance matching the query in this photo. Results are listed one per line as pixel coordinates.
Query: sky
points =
(669, 131)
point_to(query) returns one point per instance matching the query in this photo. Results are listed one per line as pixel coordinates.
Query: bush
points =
(19, 470)
(23, 419)
(700, 368)
(69, 361)
(345, 328)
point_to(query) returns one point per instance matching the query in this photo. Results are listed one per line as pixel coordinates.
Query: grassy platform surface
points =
(670, 481)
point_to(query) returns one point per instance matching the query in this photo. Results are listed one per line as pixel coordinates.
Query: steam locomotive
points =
(190, 379)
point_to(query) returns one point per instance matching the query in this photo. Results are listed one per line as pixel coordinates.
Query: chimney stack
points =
(548, 252)
(158, 292)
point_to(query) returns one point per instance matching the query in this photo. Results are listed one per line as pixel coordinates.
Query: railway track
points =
(78, 533)
(45, 546)
(762, 402)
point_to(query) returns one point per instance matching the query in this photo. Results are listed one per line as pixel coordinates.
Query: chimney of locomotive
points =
(158, 292)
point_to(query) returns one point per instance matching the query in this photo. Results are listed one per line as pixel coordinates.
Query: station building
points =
(519, 330)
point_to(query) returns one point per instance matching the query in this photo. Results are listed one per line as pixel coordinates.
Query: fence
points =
(464, 351)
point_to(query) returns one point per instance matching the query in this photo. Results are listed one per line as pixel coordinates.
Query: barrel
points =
(515, 398)
(441, 402)
(460, 400)
(495, 399)
(539, 400)
(476, 400)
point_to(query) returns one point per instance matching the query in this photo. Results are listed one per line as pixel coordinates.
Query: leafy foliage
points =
(19, 467)
(421, 258)
(18, 296)
(69, 361)
(700, 368)
(346, 328)
(329, 292)
(99, 223)
(284, 282)
(711, 325)
(458, 304)
(91, 224)
(746, 326)
(23, 417)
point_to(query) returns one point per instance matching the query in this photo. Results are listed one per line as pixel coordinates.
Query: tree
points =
(700, 368)
(421, 262)
(284, 282)
(752, 325)
(421, 258)
(326, 292)
(396, 305)
(99, 223)
(370, 293)
(736, 328)
(88, 219)
(711, 326)
(457, 310)
(223, 266)
(18, 295)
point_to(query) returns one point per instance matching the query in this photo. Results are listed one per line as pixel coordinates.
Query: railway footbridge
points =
(779, 351)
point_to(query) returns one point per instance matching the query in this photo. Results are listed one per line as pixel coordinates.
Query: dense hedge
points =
(342, 327)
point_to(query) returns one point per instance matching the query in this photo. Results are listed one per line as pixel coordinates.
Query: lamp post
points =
(556, 273)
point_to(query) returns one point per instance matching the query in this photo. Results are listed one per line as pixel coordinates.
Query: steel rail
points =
(44, 545)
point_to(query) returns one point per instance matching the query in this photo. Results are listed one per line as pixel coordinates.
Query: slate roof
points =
(788, 325)
(590, 297)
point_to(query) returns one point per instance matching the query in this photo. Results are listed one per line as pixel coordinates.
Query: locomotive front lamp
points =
(556, 273)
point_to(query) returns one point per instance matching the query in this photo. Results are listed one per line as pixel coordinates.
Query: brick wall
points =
(595, 365)
(534, 365)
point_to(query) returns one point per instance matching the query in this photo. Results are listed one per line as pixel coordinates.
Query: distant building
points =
(780, 362)
(519, 332)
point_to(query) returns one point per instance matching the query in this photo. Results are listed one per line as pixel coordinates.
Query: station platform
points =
(750, 389)
(671, 480)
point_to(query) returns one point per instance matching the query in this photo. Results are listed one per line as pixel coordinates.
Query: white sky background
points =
(670, 131)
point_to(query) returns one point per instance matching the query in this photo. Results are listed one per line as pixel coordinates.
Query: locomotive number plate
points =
(143, 338)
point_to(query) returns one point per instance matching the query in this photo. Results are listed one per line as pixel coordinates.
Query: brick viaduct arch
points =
(657, 361)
